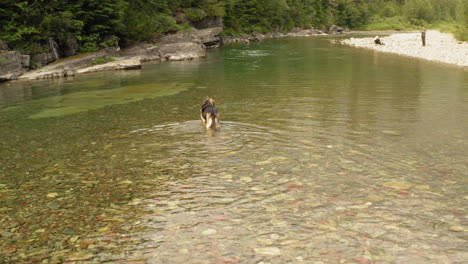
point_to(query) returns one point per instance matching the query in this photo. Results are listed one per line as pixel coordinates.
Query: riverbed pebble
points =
(209, 232)
(271, 251)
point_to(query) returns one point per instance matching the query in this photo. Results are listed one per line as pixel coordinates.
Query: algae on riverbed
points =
(83, 101)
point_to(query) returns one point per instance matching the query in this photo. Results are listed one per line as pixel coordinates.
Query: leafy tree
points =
(419, 11)
(27, 24)
(146, 20)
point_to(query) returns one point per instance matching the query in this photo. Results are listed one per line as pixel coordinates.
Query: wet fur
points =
(209, 113)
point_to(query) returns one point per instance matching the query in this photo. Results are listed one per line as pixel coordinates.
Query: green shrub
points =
(460, 32)
(418, 11)
(32, 48)
(88, 43)
(388, 23)
(215, 8)
(102, 60)
(99, 61)
(195, 14)
(231, 32)
(110, 42)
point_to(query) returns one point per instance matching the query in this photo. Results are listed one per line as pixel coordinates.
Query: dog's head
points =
(209, 100)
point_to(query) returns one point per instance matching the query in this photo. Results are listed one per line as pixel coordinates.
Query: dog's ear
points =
(212, 100)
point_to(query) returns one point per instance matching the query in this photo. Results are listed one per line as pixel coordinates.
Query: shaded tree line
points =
(447, 15)
(26, 24)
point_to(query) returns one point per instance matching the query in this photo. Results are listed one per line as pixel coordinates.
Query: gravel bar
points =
(441, 47)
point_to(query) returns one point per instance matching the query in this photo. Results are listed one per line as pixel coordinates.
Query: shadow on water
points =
(325, 153)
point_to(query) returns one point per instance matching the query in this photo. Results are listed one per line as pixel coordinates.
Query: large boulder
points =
(26, 61)
(66, 67)
(10, 65)
(42, 59)
(144, 51)
(114, 51)
(181, 51)
(54, 49)
(209, 37)
(179, 37)
(334, 29)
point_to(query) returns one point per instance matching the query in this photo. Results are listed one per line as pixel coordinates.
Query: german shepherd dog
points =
(209, 114)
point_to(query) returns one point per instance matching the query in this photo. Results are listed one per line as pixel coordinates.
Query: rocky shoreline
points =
(440, 47)
(188, 45)
(183, 45)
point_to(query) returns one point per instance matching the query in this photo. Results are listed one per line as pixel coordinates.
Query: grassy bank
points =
(449, 16)
(460, 32)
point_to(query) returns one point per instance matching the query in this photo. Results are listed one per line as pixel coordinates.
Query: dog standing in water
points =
(209, 114)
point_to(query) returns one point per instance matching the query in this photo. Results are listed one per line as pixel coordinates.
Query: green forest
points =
(26, 25)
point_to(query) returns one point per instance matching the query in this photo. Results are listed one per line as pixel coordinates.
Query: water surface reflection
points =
(325, 153)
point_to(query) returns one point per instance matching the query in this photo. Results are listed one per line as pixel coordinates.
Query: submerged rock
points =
(456, 228)
(270, 251)
(397, 185)
(52, 195)
(83, 255)
(209, 232)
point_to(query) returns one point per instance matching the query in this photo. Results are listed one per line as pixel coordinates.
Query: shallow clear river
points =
(326, 154)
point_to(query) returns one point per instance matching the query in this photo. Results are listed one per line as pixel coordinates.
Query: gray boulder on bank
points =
(181, 51)
(11, 65)
(26, 61)
(209, 37)
(69, 66)
(334, 29)
(42, 59)
(128, 59)
(143, 51)
(176, 47)
(180, 36)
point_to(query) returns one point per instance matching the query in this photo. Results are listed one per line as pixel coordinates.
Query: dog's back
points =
(209, 113)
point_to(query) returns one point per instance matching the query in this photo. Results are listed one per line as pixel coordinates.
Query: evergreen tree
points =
(27, 24)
